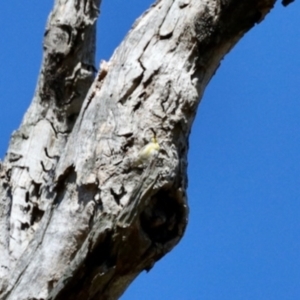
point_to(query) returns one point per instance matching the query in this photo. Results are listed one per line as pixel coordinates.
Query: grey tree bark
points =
(93, 187)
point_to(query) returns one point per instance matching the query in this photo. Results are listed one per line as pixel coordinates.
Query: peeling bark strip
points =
(85, 208)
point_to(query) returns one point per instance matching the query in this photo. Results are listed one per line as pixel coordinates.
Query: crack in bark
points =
(134, 84)
(55, 157)
(118, 195)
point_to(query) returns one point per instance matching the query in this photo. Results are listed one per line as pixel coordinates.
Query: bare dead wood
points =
(80, 219)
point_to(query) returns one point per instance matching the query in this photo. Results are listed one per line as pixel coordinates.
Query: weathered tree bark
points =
(81, 215)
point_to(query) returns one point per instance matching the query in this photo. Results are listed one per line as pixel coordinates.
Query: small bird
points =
(147, 152)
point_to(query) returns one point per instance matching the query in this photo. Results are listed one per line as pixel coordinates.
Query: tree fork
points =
(80, 219)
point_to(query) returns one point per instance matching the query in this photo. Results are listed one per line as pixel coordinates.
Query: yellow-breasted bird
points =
(147, 152)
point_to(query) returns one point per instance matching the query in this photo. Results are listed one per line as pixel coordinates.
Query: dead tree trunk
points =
(93, 187)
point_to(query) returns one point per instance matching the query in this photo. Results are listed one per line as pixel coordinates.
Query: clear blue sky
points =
(243, 237)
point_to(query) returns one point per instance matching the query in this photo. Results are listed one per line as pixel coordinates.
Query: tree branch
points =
(101, 214)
